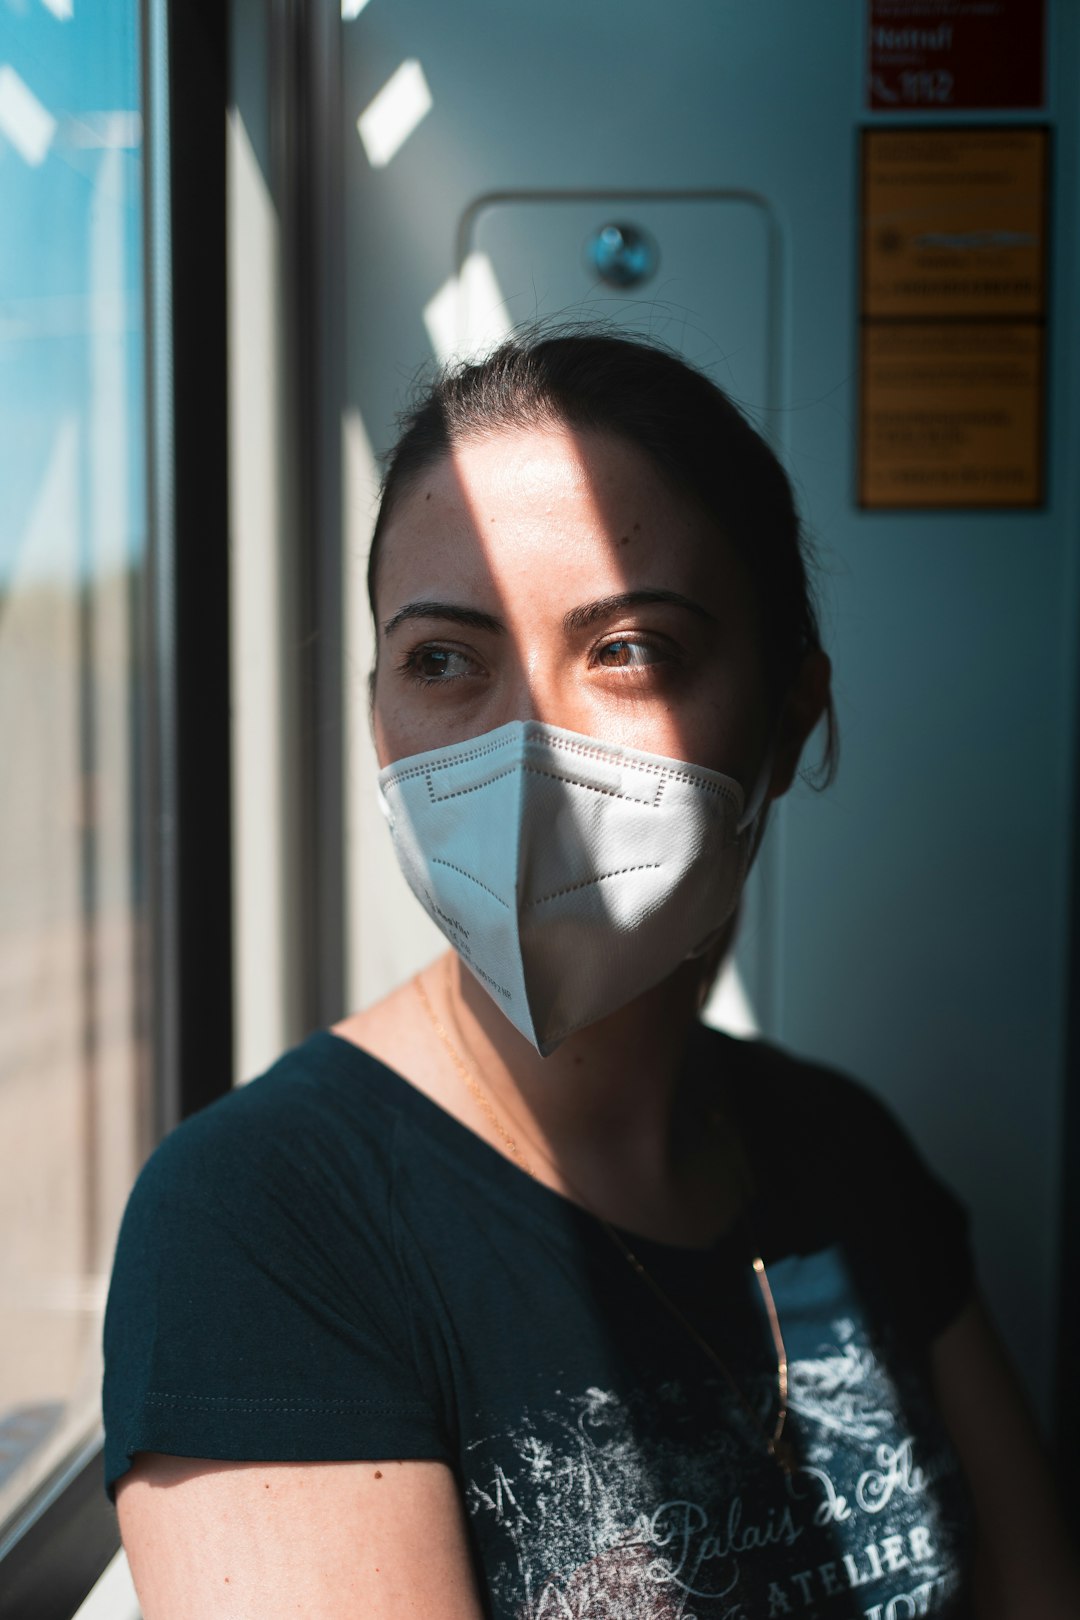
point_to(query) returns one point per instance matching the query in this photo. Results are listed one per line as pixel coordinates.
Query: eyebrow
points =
(577, 619)
(580, 618)
(473, 618)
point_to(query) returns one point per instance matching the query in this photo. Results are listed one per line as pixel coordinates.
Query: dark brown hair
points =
(697, 438)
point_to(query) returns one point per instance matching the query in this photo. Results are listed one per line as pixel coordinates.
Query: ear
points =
(803, 707)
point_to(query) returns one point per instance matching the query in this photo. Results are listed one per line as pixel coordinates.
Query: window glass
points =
(72, 540)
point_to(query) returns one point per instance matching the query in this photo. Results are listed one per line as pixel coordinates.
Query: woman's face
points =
(550, 574)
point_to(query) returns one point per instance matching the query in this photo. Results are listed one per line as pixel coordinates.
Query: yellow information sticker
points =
(951, 415)
(953, 317)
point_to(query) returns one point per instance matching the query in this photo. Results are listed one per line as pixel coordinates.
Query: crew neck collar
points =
(553, 1208)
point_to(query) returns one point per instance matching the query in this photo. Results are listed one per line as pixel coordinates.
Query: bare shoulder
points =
(332, 1541)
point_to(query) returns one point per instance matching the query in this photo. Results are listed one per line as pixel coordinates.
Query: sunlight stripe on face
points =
(392, 115)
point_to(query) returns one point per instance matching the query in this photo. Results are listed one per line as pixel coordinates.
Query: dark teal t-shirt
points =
(325, 1265)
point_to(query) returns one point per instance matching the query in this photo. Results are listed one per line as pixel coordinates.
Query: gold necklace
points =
(778, 1448)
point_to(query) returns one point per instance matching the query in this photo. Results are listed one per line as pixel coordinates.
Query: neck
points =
(616, 1110)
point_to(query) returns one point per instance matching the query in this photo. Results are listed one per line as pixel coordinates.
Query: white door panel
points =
(709, 295)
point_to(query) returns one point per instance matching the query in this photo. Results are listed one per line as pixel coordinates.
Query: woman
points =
(522, 1293)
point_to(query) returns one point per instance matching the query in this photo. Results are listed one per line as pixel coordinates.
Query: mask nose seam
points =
(572, 781)
(466, 754)
(459, 793)
(619, 793)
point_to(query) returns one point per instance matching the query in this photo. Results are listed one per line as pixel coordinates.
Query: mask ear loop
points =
(756, 801)
(750, 814)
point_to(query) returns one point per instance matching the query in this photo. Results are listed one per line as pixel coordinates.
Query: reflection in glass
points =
(72, 538)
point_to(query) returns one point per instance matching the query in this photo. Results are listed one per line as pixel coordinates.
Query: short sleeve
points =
(255, 1310)
(916, 1229)
(854, 1175)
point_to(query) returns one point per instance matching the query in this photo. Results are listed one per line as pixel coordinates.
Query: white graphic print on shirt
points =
(599, 1509)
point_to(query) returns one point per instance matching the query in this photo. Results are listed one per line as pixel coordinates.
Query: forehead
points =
(539, 514)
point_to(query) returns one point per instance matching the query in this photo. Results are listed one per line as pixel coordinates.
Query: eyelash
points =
(659, 646)
(409, 665)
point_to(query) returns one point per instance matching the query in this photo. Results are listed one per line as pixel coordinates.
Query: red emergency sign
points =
(955, 53)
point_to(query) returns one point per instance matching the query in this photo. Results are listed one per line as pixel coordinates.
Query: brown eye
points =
(436, 665)
(626, 654)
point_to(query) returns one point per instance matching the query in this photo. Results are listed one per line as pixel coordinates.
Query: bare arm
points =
(1025, 1569)
(326, 1541)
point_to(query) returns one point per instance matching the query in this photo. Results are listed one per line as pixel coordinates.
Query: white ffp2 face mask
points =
(568, 873)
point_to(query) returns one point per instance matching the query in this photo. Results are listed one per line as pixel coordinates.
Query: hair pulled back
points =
(696, 437)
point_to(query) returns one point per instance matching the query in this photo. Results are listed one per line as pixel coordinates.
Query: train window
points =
(73, 476)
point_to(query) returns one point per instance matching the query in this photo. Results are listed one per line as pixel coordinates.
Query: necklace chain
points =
(777, 1446)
